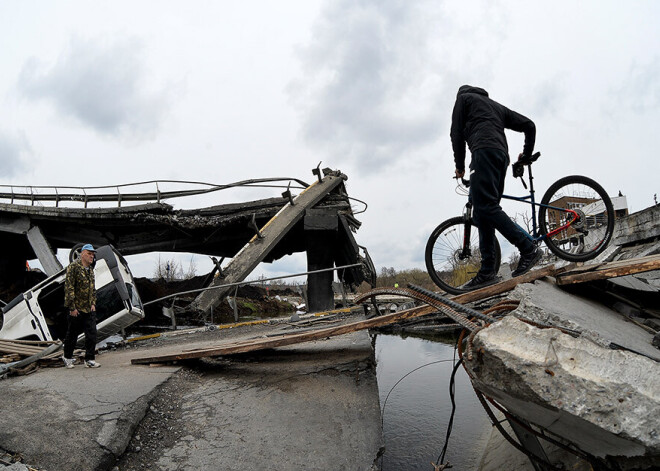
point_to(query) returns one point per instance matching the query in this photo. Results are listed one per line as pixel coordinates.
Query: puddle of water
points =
(418, 409)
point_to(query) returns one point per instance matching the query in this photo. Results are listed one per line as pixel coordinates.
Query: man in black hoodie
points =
(480, 122)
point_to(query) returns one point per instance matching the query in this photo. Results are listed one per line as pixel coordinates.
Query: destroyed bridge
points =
(319, 221)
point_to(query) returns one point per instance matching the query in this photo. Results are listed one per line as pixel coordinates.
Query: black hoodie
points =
(480, 122)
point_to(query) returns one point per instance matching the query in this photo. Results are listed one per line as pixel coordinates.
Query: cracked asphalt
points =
(309, 406)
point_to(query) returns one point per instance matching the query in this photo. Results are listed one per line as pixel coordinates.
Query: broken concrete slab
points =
(296, 408)
(311, 407)
(604, 401)
(80, 418)
(639, 226)
(545, 303)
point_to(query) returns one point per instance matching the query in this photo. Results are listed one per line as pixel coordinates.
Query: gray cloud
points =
(14, 149)
(642, 90)
(101, 83)
(380, 77)
(547, 99)
(361, 97)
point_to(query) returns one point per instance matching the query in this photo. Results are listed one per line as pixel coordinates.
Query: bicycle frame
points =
(529, 199)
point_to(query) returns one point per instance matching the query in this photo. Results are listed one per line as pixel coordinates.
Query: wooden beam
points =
(609, 270)
(504, 286)
(261, 344)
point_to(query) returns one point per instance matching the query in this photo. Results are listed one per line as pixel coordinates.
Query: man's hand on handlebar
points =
(459, 174)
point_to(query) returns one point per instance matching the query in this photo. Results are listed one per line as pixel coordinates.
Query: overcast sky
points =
(99, 93)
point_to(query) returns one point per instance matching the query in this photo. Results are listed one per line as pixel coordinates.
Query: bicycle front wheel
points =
(451, 260)
(577, 216)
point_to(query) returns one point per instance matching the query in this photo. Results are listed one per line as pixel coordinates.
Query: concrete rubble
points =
(596, 385)
(605, 401)
(545, 303)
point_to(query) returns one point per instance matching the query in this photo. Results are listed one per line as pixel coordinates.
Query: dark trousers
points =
(83, 322)
(488, 171)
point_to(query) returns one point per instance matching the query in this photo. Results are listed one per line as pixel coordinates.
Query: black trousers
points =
(83, 322)
(488, 171)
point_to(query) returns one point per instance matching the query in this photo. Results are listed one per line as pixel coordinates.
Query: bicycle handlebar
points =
(529, 160)
(517, 168)
(466, 183)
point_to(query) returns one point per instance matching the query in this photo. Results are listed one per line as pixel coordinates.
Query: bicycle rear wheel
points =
(592, 218)
(447, 264)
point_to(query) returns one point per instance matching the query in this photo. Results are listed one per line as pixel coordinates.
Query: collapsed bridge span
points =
(319, 221)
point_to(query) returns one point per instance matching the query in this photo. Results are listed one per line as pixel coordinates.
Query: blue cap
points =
(89, 247)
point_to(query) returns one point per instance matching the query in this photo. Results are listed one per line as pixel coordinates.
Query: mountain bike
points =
(575, 221)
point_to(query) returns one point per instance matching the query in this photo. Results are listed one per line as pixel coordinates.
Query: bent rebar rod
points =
(452, 304)
(457, 317)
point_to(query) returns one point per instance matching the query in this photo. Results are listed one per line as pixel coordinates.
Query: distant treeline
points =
(389, 277)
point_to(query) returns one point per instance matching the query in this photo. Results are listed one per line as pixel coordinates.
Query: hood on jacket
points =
(470, 89)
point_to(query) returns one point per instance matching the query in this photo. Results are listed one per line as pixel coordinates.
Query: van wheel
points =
(74, 255)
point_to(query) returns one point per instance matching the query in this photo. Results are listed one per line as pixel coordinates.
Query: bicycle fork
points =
(466, 251)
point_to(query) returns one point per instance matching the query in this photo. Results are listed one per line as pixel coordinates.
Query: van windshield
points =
(108, 302)
(133, 295)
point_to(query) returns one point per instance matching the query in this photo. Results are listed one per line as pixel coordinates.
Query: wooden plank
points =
(18, 350)
(609, 270)
(258, 248)
(40, 343)
(261, 344)
(11, 347)
(504, 286)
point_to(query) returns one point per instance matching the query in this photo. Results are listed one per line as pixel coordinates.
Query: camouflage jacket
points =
(79, 287)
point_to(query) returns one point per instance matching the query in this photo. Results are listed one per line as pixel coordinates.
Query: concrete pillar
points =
(320, 255)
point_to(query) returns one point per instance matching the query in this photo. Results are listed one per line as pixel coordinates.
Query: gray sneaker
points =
(92, 364)
(68, 362)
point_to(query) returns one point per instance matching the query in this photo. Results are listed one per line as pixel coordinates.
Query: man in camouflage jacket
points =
(80, 300)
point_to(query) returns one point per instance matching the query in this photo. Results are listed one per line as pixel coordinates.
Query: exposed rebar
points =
(409, 293)
(452, 304)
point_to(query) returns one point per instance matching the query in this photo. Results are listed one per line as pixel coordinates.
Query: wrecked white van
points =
(39, 313)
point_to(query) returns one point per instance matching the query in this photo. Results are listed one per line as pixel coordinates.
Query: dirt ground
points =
(162, 425)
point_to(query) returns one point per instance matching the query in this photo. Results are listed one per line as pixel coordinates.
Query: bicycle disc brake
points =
(461, 255)
(579, 224)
